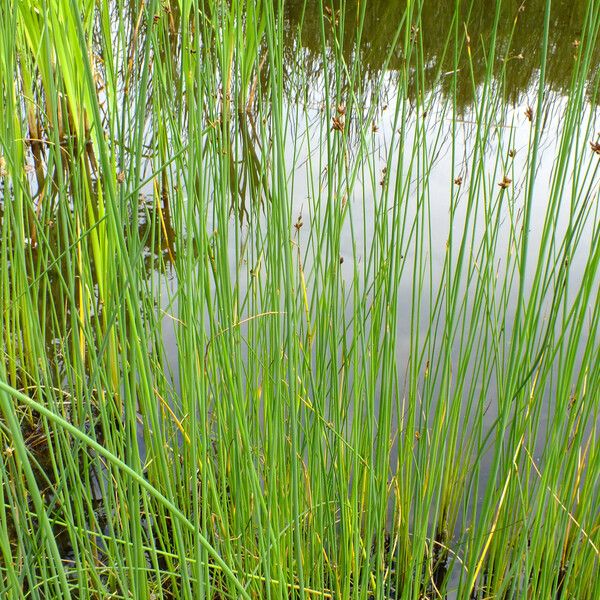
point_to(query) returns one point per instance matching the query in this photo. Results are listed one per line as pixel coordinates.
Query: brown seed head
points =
(338, 123)
(505, 182)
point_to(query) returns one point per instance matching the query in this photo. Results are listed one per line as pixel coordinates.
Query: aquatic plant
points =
(279, 324)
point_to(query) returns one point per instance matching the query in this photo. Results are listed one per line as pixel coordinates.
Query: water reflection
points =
(519, 36)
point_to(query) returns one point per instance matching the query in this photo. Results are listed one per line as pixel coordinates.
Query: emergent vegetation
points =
(294, 321)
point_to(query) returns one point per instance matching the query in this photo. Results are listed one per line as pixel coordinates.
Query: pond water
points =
(443, 122)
